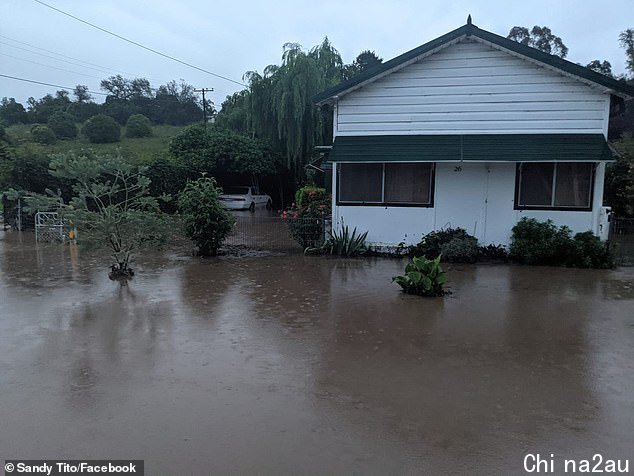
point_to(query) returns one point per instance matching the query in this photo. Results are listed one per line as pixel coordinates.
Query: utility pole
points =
(204, 90)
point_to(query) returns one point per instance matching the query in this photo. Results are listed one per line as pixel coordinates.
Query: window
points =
(397, 184)
(544, 185)
(360, 183)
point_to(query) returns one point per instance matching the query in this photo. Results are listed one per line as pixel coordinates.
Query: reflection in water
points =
(280, 364)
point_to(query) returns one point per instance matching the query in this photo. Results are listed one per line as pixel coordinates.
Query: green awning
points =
(479, 148)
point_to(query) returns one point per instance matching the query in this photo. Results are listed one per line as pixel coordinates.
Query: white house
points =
(470, 130)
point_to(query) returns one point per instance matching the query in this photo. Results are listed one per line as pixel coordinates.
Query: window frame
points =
(518, 173)
(383, 203)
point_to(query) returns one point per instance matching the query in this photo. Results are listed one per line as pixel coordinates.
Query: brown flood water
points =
(293, 364)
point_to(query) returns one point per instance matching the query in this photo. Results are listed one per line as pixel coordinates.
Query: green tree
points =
(13, 112)
(29, 169)
(207, 223)
(603, 67)
(102, 129)
(280, 102)
(364, 60)
(39, 111)
(619, 180)
(81, 93)
(111, 206)
(122, 88)
(234, 111)
(43, 134)
(539, 37)
(217, 150)
(626, 39)
(138, 126)
(63, 125)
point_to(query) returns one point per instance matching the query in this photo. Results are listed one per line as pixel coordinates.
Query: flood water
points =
(294, 364)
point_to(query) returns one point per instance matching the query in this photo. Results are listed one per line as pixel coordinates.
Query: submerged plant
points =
(111, 206)
(207, 223)
(344, 243)
(422, 277)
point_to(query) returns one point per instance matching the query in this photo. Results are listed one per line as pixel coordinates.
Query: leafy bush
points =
(344, 243)
(619, 179)
(206, 221)
(542, 243)
(461, 250)
(422, 277)
(306, 220)
(138, 126)
(167, 178)
(110, 206)
(43, 134)
(62, 125)
(30, 169)
(431, 245)
(102, 129)
(311, 194)
(591, 252)
(494, 252)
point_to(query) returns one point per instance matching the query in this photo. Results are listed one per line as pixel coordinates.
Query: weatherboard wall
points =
(478, 197)
(473, 88)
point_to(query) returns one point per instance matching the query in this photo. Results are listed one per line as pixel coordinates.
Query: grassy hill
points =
(138, 151)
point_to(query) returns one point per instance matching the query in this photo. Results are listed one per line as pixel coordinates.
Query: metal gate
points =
(48, 227)
(622, 235)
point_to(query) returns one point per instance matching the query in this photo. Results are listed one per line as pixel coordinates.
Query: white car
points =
(244, 198)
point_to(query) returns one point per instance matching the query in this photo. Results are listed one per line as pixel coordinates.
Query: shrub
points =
(422, 277)
(542, 243)
(207, 223)
(494, 252)
(431, 245)
(167, 178)
(306, 218)
(591, 252)
(460, 250)
(43, 134)
(311, 194)
(101, 129)
(344, 243)
(62, 125)
(138, 126)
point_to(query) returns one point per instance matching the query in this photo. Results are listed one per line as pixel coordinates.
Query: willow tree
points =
(280, 106)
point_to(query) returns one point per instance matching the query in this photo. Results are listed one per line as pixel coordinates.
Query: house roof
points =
(472, 148)
(613, 86)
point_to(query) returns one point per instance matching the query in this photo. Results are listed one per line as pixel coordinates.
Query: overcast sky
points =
(232, 37)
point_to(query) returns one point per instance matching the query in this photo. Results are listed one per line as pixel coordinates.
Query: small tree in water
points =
(207, 222)
(111, 207)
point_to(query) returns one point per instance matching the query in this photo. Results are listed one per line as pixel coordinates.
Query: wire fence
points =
(277, 234)
(622, 236)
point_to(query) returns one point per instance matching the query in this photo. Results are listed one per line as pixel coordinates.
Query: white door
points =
(460, 197)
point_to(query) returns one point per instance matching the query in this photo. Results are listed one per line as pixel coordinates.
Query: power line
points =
(50, 66)
(138, 44)
(47, 84)
(101, 69)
